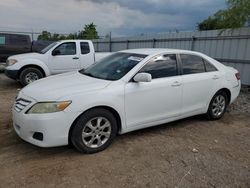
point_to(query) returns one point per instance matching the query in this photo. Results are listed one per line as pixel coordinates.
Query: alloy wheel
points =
(218, 105)
(96, 132)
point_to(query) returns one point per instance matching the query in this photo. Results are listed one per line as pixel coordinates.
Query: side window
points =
(18, 40)
(192, 64)
(67, 48)
(209, 66)
(2, 40)
(162, 66)
(84, 47)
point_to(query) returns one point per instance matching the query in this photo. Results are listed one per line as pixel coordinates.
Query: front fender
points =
(30, 62)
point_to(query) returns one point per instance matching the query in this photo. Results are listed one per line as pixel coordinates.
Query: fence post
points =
(193, 43)
(153, 45)
(97, 46)
(127, 44)
(110, 43)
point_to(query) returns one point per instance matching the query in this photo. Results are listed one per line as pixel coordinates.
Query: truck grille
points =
(20, 104)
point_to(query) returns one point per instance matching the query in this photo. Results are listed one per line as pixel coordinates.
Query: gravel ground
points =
(192, 152)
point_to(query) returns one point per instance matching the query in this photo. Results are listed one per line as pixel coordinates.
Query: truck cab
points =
(58, 57)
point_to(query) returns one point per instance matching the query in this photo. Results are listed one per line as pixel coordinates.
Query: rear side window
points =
(192, 64)
(209, 66)
(84, 47)
(18, 40)
(162, 66)
(2, 40)
(67, 48)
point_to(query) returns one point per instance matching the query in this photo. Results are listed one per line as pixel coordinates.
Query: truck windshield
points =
(43, 51)
(113, 67)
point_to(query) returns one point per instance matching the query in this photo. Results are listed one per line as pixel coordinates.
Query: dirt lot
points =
(189, 153)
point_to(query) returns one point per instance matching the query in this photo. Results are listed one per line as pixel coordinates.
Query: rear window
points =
(84, 47)
(209, 66)
(2, 40)
(192, 64)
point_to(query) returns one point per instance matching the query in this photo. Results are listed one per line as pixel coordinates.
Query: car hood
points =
(26, 56)
(55, 87)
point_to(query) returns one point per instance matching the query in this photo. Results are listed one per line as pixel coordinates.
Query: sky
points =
(121, 17)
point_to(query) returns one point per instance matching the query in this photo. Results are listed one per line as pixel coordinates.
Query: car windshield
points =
(113, 67)
(43, 51)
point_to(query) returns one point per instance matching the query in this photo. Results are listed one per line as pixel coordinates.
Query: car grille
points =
(20, 104)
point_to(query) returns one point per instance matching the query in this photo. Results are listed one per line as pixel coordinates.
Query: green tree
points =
(44, 36)
(89, 32)
(72, 36)
(55, 37)
(236, 15)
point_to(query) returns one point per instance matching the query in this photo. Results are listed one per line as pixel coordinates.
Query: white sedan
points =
(126, 91)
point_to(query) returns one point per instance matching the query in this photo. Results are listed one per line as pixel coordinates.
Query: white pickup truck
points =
(58, 57)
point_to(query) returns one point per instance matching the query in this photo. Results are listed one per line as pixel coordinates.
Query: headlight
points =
(48, 107)
(11, 62)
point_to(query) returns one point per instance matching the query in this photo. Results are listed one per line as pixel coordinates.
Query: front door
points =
(64, 58)
(146, 103)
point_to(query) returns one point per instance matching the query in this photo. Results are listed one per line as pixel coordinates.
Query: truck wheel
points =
(29, 75)
(94, 131)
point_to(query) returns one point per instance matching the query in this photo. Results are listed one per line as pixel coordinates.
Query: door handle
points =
(75, 58)
(216, 77)
(176, 84)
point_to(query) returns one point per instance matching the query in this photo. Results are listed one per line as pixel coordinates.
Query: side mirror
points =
(143, 77)
(56, 52)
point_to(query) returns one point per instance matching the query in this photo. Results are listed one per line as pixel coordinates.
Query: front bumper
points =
(13, 74)
(54, 127)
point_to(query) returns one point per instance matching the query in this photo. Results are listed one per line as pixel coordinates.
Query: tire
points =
(94, 131)
(217, 106)
(29, 75)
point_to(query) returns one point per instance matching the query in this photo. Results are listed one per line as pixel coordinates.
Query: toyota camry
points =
(126, 91)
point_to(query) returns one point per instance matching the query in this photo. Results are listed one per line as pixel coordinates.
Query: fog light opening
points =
(38, 136)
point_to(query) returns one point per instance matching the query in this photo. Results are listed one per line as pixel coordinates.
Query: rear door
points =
(86, 56)
(64, 58)
(199, 83)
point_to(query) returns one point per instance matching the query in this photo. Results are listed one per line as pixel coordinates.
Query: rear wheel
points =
(217, 106)
(94, 131)
(29, 75)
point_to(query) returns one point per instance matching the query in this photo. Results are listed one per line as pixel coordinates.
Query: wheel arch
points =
(33, 66)
(226, 90)
(228, 93)
(110, 109)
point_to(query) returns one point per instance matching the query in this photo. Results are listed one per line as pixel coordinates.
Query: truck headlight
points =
(11, 62)
(48, 107)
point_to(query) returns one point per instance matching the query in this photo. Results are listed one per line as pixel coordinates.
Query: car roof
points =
(74, 40)
(153, 51)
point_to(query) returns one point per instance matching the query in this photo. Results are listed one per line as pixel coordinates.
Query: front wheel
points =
(94, 131)
(217, 106)
(29, 75)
